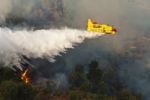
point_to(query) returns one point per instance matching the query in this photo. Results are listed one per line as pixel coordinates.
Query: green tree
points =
(10, 90)
(102, 88)
(7, 74)
(78, 76)
(127, 94)
(82, 95)
(94, 74)
(86, 86)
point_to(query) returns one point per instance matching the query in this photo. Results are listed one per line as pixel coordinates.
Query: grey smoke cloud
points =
(130, 17)
(5, 8)
(132, 20)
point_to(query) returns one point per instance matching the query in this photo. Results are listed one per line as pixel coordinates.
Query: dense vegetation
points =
(85, 84)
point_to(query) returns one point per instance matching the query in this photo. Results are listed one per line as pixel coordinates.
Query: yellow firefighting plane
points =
(100, 28)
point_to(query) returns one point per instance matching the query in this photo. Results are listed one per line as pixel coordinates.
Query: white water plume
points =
(40, 43)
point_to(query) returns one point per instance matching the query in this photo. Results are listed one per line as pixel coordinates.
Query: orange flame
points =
(24, 76)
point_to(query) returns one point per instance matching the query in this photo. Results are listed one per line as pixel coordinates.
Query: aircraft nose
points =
(114, 30)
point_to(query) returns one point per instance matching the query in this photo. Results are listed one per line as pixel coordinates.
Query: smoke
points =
(39, 43)
(132, 20)
(4, 9)
(130, 17)
(31, 13)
